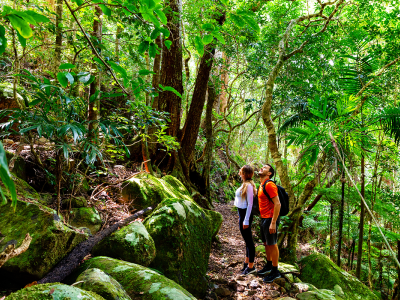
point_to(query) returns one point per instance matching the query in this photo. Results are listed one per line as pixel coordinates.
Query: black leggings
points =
(246, 234)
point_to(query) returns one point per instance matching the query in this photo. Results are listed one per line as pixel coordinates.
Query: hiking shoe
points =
(244, 267)
(249, 271)
(271, 277)
(265, 271)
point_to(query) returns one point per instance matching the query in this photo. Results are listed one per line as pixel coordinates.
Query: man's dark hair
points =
(271, 169)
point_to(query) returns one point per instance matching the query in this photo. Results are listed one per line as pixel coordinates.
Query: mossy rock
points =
(182, 232)
(318, 295)
(320, 271)
(24, 190)
(76, 202)
(85, 217)
(95, 280)
(46, 199)
(51, 239)
(59, 291)
(131, 243)
(19, 168)
(146, 190)
(138, 281)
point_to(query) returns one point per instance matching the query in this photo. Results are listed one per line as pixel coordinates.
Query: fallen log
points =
(74, 258)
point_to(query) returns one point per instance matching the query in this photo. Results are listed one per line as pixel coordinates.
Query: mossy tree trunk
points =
(341, 215)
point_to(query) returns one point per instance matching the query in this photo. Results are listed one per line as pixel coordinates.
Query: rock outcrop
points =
(131, 243)
(320, 271)
(95, 280)
(138, 281)
(87, 217)
(182, 232)
(51, 291)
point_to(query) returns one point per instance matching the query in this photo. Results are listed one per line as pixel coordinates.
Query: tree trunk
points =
(362, 216)
(225, 80)
(192, 124)
(145, 148)
(212, 98)
(94, 101)
(341, 214)
(349, 260)
(396, 289)
(171, 70)
(156, 69)
(57, 51)
(369, 251)
(117, 39)
(331, 231)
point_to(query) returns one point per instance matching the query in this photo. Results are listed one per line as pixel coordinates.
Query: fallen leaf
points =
(51, 291)
(30, 284)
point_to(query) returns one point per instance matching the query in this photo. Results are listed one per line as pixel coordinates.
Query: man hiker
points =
(269, 212)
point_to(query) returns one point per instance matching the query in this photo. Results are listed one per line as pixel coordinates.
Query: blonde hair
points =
(248, 173)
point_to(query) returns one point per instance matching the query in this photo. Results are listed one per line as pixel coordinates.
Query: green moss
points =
(95, 280)
(138, 281)
(318, 295)
(320, 271)
(51, 239)
(145, 190)
(24, 190)
(85, 217)
(131, 243)
(59, 291)
(182, 232)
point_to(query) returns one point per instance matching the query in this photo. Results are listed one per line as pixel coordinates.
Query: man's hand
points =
(272, 227)
(245, 226)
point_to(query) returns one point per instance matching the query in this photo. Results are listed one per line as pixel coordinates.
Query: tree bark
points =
(341, 214)
(362, 216)
(192, 124)
(156, 69)
(396, 289)
(57, 51)
(171, 70)
(94, 104)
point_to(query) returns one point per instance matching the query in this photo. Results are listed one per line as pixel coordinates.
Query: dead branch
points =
(11, 252)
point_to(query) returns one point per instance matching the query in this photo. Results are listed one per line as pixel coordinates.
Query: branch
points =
(94, 49)
(10, 252)
(239, 124)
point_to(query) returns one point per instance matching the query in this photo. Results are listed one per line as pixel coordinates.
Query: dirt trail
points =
(226, 260)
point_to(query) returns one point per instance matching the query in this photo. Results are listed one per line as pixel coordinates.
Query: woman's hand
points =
(245, 226)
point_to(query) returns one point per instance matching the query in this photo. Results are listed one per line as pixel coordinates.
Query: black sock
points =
(274, 269)
(269, 264)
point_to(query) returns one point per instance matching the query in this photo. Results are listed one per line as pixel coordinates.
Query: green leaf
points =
(165, 32)
(21, 25)
(150, 4)
(143, 47)
(38, 17)
(152, 50)
(98, 60)
(208, 38)
(70, 77)
(252, 23)
(79, 2)
(198, 42)
(238, 20)
(156, 32)
(152, 18)
(21, 39)
(118, 68)
(161, 16)
(106, 10)
(219, 37)
(62, 79)
(168, 44)
(66, 66)
(170, 89)
(208, 27)
(317, 113)
(145, 72)
(3, 40)
(5, 176)
(26, 17)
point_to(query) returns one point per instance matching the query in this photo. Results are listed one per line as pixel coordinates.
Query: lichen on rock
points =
(182, 232)
(146, 190)
(131, 243)
(138, 281)
(51, 291)
(320, 271)
(95, 280)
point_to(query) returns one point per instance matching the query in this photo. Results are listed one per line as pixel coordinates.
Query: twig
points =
(11, 252)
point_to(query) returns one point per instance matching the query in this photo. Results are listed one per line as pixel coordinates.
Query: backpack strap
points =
(265, 190)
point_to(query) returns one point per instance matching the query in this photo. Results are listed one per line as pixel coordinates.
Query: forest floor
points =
(226, 261)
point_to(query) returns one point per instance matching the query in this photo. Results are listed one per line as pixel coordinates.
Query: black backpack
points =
(283, 198)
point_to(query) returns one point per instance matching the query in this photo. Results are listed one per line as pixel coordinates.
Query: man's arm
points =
(277, 209)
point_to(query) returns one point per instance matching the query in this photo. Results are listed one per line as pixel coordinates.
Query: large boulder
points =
(51, 291)
(138, 281)
(95, 280)
(87, 217)
(320, 271)
(51, 239)
(318, 295)
(182, 232)
(146, 190)
(131, 243)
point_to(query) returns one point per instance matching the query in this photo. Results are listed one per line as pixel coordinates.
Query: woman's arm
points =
(249, 205)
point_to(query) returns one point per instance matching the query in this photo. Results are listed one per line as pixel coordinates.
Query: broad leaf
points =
(66, 66)
(208, 38)
(143, 47)
(3, 40)
(38, 17)
(118, 68)
(238, 20)
(145, 72)
(105, 10)
(5, 176)
(208, 27)
(168, 44)
(21, 25)
(165, 32)
(155, 33)
(219, 37)
(170, 89)
(152, 50)
(161, 16)
(21, 39)
(70, 78)
(198, 42)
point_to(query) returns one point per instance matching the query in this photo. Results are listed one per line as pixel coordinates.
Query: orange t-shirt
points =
(267, 206)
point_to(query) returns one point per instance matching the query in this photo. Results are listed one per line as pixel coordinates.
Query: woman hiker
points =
(244, 204)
